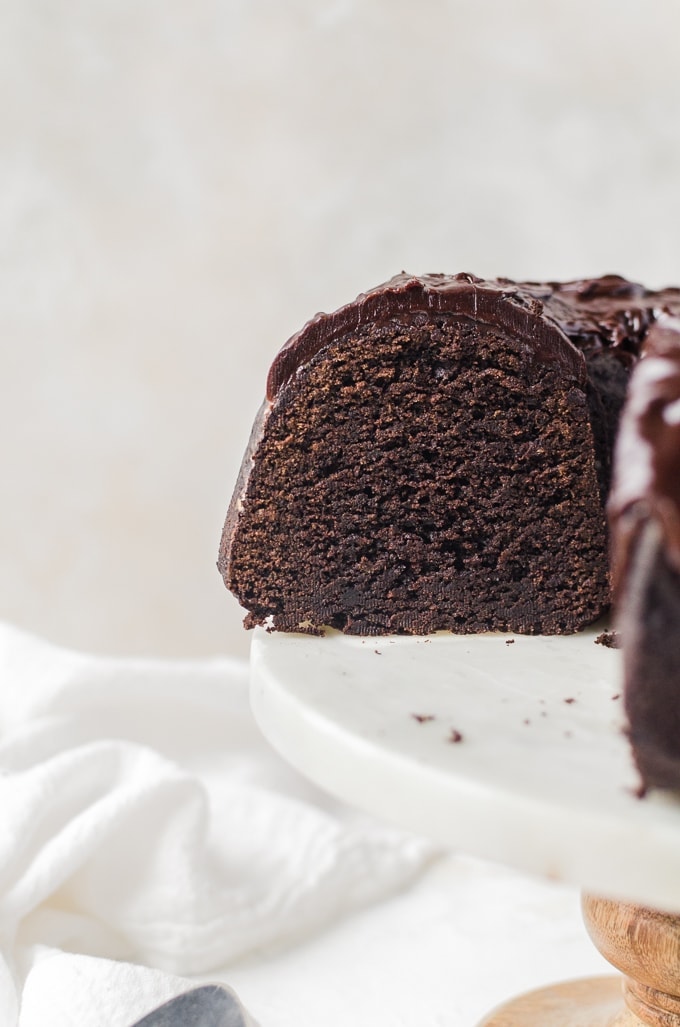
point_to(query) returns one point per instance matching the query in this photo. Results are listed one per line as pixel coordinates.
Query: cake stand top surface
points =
(509, 747)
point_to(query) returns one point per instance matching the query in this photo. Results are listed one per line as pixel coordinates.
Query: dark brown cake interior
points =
(606, 391)
(423, 475)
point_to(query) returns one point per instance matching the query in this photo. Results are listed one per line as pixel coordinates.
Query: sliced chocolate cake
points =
(437, 455)
(645, 513)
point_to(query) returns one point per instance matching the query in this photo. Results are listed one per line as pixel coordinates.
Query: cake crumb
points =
(423, 718)
(455, 736)
(509, 641)
(377, 652)
(569, 701)
(609, 639)
(615, 697)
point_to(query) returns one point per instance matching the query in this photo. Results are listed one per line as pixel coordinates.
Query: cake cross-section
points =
(436, 455)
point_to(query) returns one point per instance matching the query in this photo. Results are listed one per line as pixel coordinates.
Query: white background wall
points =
(182, 184)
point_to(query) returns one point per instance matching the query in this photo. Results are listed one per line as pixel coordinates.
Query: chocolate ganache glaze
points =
(437, 454)
(595, 313)
(647, 481)
(496, 302)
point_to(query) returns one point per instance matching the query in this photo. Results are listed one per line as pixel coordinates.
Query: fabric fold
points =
(145, 819)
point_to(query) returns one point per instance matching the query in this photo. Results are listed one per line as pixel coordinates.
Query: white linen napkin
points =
(148, 830)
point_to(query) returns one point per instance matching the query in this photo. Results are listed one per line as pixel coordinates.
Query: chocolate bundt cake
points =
(437, 455)
(645, 515)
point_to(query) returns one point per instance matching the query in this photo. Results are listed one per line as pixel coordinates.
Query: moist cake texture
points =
(437, 455)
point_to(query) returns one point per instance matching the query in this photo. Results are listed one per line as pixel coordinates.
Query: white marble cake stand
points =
(509, 747)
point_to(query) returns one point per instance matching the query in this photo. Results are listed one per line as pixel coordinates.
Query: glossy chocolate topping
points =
(647, 478)
(606, 313)
(404, 298)
(593, 314)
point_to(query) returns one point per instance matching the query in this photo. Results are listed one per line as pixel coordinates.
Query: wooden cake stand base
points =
(593, 1002)
(643, 944)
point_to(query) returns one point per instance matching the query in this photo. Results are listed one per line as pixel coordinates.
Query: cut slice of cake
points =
(436, 455)
(645, 514)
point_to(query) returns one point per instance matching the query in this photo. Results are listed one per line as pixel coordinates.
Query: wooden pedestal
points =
(644, 944)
